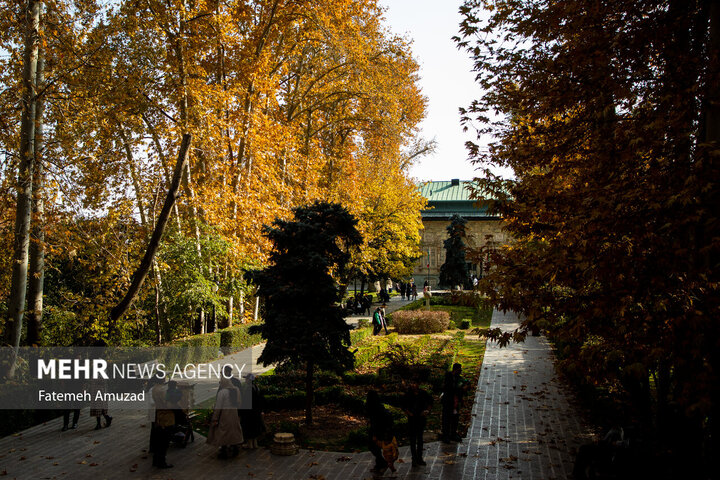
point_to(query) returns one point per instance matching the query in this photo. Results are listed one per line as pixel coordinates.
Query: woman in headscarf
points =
(225, 430)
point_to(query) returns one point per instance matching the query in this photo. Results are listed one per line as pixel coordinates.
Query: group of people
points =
(359, 303)
(408, 291)
(417, 404)
(230, 426)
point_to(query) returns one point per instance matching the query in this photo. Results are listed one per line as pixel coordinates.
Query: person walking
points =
(163, 425)
(384, 318)
(98, 405)
(66, 418)
(251, 420)
(377, 321)
(416, 404)
(381, 425)
(453, 390)
(225, 429)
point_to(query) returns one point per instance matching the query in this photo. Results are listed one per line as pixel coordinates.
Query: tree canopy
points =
(286, 101)
(607, 112)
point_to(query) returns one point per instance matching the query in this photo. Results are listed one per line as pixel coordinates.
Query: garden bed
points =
(383, 362)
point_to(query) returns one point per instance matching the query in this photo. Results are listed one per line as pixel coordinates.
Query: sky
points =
(447, 81)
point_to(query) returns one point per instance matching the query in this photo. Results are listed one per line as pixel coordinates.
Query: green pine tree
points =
(303, 321)
(454, 270)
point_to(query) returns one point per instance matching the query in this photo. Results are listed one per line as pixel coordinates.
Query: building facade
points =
(484, 230)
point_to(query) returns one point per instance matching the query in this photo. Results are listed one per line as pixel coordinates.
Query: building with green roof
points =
(445, 199)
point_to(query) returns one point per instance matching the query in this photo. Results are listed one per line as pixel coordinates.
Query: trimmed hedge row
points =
(234, 339)
(208, 346)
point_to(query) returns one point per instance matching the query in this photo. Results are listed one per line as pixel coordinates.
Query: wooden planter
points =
(284, 444)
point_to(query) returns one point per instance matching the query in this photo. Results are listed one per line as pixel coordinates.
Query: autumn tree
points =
(304, 323)
(608, 119)
(26, 167)
(287, 101)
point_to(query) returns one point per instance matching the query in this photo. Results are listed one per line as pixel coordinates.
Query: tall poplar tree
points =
(16, 302)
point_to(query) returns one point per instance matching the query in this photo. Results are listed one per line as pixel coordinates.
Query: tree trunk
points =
(159, 306)
(309, 392)
(158, 316)
(241, 307)
(16, 301)
(133, 174)
(146, 263)
(163, 163)
(36, 280)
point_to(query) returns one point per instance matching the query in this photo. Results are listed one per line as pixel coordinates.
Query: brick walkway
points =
(524, 427)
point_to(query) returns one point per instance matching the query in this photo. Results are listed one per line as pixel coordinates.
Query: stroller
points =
(182, 431)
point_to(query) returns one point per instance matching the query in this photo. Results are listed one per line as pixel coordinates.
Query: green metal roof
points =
(446, 191)
(448, 198)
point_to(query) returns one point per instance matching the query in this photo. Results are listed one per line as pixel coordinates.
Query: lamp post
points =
(427, 277)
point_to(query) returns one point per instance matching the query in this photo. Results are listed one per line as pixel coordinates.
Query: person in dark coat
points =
(163, 425)
(381, 425)
(416, 404)
(253, 424)
(453, 390)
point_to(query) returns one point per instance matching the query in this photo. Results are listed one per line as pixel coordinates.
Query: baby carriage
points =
(181, 395)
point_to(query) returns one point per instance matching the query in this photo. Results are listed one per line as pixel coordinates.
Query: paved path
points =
(523, 427)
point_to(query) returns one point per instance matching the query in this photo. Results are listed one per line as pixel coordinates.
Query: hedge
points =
(421, 321)
(209, 346)
(234, 339)
(359, 334)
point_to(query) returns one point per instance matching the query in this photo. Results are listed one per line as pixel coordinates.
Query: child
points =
(389, 447)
